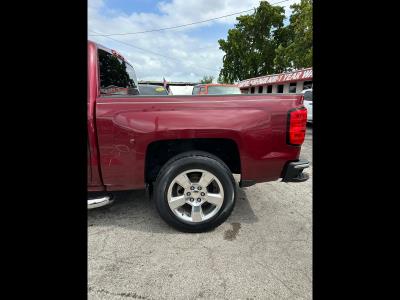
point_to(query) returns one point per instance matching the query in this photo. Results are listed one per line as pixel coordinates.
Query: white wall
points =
(299, 86)
(286, 88)
(180, 90)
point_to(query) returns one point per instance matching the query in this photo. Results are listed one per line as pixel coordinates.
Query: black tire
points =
(187, 161)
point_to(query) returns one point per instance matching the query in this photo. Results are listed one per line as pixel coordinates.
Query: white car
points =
(308, 100)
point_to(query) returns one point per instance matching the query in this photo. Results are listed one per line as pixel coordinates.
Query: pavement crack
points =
(123, 294)
(99, 232)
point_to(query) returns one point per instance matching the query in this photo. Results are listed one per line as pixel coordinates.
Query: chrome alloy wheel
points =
(195, 195)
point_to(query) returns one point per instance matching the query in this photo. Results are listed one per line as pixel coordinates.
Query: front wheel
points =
(195, 192)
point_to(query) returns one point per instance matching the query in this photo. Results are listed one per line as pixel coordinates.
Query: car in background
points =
(152, 90)
(308, 102)
(215, 89)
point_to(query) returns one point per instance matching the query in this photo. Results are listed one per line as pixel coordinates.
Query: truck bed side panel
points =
(256, 123)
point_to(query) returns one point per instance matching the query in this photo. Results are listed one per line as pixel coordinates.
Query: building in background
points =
(293, 82)
(173, 88)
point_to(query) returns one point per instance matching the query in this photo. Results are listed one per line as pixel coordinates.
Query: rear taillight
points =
(297, 122)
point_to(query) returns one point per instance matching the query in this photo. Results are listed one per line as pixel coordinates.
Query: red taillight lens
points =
(297, 126)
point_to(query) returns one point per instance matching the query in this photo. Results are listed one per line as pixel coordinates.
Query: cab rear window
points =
(117, 77)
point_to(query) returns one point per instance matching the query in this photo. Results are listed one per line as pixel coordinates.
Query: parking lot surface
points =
(263, 250)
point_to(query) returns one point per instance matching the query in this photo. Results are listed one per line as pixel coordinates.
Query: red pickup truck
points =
(184, 149)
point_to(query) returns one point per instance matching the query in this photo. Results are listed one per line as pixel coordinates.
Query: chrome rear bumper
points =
(99, 202)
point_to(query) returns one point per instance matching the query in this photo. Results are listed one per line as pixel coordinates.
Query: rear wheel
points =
(194, 192)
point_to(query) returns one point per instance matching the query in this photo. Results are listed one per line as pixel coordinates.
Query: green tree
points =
(207, 79)
(297, 53)
(250, 46)
(221, 79)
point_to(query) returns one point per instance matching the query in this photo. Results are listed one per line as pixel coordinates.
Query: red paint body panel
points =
(123, 127)
(94, 177)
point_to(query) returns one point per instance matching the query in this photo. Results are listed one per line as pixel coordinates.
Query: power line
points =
(173, 27)
(183, 25)
(161, 55)
(152, 52)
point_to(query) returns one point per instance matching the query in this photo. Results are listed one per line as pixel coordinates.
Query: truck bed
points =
(127, 125)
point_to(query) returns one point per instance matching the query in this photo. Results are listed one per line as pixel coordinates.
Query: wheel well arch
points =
(159, 152)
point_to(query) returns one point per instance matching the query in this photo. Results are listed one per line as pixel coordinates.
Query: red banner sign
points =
(305, 74)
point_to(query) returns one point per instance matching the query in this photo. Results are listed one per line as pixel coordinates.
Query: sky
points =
(182, 54)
